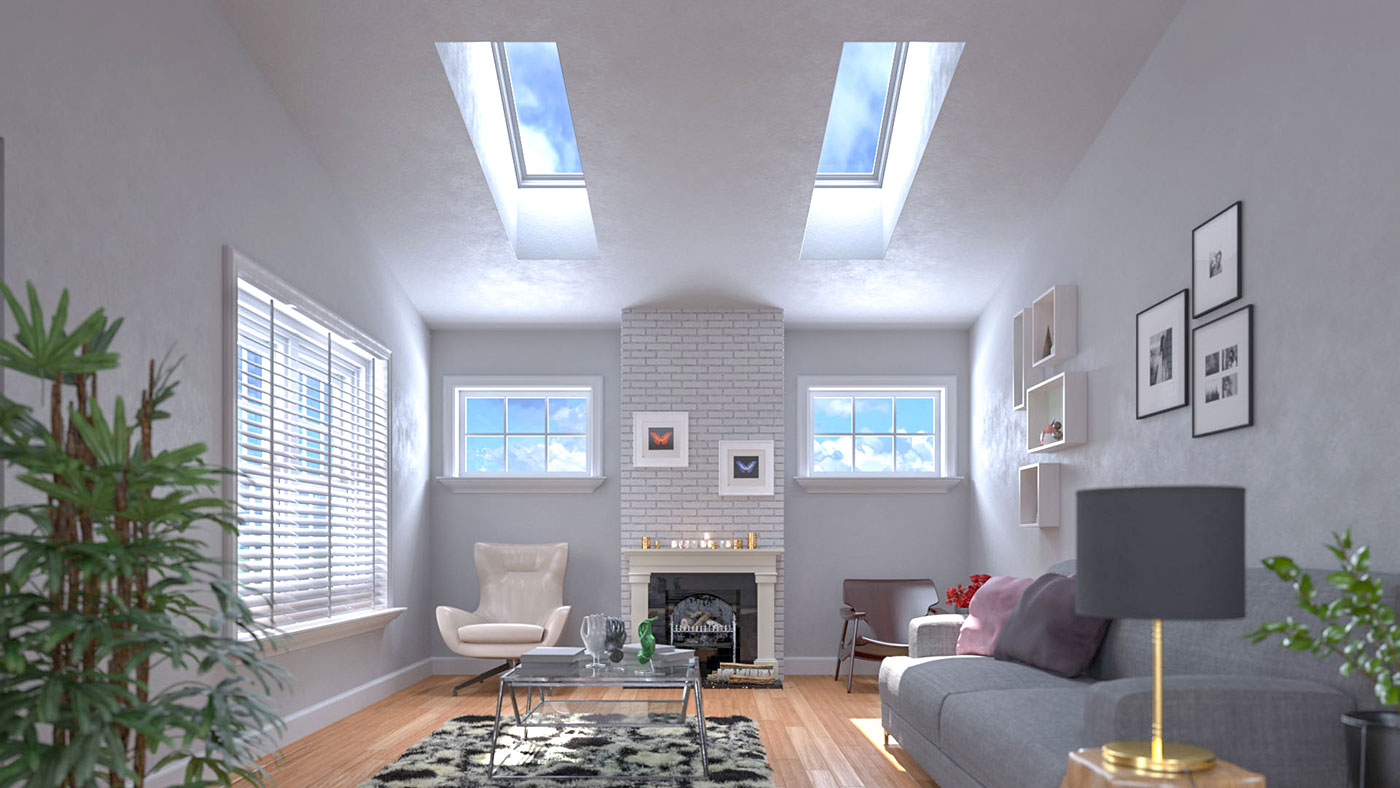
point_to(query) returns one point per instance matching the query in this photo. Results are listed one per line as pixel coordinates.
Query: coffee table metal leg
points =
(700, 720)
(496, 728)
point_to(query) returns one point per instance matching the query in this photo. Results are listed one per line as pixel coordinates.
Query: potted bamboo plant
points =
(1358, 626)
(105, 582)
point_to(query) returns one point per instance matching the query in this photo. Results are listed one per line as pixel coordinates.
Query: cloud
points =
(916, 455)
(874, 454)
(857, 108)
(568, 455)
(547, 140)
(831, 455)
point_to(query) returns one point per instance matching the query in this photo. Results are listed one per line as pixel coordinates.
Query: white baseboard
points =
(811, 666)
(318, 715)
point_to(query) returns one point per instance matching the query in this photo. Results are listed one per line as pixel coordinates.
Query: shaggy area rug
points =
(454, 756)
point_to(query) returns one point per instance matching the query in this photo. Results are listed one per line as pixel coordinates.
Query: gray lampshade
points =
(1161, 552)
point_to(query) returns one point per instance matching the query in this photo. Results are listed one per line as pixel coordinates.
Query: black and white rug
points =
(454, 756)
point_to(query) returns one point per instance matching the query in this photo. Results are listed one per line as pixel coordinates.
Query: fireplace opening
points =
(714, 614)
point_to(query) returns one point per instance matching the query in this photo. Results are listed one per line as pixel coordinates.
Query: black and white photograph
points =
(1215, 261)
(1162, 356)
(1223, 368)
(746, 467)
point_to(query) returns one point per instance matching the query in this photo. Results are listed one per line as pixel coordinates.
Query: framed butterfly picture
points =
(746, 467)
(660, 439)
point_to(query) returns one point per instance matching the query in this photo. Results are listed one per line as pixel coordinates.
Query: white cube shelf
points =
(1056, 315)
(1040, 495)
(1062, 398)
(1023, 374)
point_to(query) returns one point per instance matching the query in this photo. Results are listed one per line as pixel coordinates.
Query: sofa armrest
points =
(1272, 725)
(934, 636)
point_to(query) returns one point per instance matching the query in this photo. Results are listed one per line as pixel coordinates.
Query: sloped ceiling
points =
(699, 125)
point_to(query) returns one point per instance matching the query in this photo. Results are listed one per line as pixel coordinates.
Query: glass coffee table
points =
(541, 703)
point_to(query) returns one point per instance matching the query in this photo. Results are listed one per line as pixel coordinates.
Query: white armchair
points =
(522, 605)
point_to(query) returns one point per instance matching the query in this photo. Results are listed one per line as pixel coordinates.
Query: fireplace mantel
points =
(762, 563)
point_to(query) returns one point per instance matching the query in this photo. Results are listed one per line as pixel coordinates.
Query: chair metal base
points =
(499, 669)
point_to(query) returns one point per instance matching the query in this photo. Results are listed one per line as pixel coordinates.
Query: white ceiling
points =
(699, 124)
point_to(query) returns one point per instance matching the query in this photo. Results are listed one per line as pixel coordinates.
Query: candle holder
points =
(753, 540)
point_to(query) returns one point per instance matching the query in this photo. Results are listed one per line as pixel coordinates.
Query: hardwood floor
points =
(815, 734)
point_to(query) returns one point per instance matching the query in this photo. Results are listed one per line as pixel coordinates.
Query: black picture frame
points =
(1200, 258)
(1179, 325)
(1200, 368)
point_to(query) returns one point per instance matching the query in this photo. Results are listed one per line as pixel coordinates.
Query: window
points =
(863, 103)
(310, 441)
(521, 433)
(537, 108)
(893, 429)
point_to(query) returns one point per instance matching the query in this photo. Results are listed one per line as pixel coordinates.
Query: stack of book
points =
(666, 655)
(552, 660)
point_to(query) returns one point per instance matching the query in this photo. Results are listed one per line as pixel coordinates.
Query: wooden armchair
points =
(875, 616)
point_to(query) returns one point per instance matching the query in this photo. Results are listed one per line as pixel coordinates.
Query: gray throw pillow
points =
(1044, 631)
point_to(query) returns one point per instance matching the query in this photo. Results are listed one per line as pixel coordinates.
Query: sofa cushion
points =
(1014, 737)
(500, 633)
(991, 607)
(1044, 631)
(918, 688)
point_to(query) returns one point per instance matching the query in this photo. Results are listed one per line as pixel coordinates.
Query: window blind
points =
(312, 437)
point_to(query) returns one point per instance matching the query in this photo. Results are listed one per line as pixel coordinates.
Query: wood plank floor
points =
(815, 734)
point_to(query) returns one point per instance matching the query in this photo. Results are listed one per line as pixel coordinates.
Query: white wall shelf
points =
(1040, 495)
(1023, 374)
(1063, 398)
(1056, 313)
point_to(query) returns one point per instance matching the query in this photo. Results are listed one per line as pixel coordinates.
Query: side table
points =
(1088, 770)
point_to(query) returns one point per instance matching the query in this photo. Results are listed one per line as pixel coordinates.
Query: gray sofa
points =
(974, 722)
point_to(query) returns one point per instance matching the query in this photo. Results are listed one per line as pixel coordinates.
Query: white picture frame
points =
(746, 467)
(660, 439)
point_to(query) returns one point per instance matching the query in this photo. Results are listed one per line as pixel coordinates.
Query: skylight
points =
(862, 109)
(542, 128)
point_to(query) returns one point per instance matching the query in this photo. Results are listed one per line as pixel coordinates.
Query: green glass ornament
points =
(647, 640)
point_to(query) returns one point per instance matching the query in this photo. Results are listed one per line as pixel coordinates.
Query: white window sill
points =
(315, 633)
(522, 484)
(877, 484)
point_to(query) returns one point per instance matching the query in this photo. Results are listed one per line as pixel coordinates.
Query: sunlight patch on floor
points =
(872, 730)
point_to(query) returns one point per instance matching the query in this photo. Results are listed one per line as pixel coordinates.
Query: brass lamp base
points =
(1175, 758)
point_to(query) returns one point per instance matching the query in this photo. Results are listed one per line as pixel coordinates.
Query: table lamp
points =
(1160, 553)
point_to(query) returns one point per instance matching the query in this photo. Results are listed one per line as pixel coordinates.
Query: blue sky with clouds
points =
(857, 108)
(908, 443)
(547, 141)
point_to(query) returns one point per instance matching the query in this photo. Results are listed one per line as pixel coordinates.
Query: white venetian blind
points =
(312, 432)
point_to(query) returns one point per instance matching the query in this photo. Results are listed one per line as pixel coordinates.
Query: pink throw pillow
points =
(991, 606)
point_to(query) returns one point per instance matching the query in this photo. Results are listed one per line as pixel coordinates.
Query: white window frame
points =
(876, 177)
(881, 482)
(453, 389)
(315, 632)
(524, 178)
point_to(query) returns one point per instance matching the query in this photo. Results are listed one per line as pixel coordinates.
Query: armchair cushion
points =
(501, 633)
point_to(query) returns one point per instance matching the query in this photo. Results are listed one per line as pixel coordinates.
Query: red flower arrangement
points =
(958, 596)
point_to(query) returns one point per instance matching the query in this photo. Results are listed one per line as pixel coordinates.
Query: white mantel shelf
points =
(762, 563)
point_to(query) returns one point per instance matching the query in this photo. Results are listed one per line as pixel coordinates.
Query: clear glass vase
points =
(594, 632)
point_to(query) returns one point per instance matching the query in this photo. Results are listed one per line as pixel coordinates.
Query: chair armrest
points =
(1283, 726)
(849, 613)
(934, 636)
(554, 625)
(450, 619)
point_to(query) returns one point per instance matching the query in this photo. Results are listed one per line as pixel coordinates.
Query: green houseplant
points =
(1359, 627)
(106, 582)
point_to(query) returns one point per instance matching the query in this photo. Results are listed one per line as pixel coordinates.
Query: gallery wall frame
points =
(1217, 261)
(1163, 355)
(1222, 367)
(660, 439)
(746, 467)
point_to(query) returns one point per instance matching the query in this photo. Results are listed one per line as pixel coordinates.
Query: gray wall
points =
(835, 536)
(140, 138)
(1288, 106)
(588, 522)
